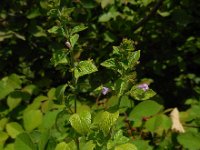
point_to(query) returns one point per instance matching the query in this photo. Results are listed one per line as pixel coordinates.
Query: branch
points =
(146, 18)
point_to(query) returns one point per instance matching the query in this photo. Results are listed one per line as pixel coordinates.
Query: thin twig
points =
(146, 18)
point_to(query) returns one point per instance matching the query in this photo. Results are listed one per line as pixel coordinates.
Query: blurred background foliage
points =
(166, 32)
(168, 39)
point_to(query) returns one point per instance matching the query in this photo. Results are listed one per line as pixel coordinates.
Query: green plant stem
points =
(77, 143)
(74, 80)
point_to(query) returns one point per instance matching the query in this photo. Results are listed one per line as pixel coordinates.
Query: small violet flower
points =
(143, 86)
(105, 90)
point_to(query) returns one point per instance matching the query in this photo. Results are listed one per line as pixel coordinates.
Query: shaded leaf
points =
(189, 140)
(24, 142)
(60, 92)
(59, 57)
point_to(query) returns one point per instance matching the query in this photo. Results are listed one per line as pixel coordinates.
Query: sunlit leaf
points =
(9, 84)
(144, 109)
(73, 39)
(105, 120)
(30, 118)
(13, 129)
(83, 68)
(81, 122)
(127, 146)
(59, 57)
(77, 29)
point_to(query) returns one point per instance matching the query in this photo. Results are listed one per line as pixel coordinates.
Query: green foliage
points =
(64, 85)
(30, 118)
(189, 140)
(81, 122)
(84, 68)
(144, 109)
(23, 141)
(13, 129)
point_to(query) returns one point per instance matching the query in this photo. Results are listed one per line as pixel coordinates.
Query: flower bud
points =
(143, 86)
(105, 90)
(68, 45)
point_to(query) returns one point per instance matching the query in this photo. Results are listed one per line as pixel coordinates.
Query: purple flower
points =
(143, 86)
(105, 90)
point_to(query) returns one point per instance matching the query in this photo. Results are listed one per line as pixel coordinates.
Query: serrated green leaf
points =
(110, 63)
(87, 146)
(118, 139)
(106, 120)
(62, 146)
(13, 129)
(77, 29)
(74, 39)
(140, 94)
(59, 57)
(116, 50)
(133, 58)
(30, 117)
(24, 142)
(83, 68)
(54, 29)
(127, 146)
(144, 109)
(121, 87)
(81, 122)
(189, 140)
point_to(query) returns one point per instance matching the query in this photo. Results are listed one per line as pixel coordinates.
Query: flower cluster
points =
(143, 86)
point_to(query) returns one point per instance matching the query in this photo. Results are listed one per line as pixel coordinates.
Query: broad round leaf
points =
(81, 122)
(13, 129)
(32, 119)
(144, 109)
(189, 140)
(24, 142)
